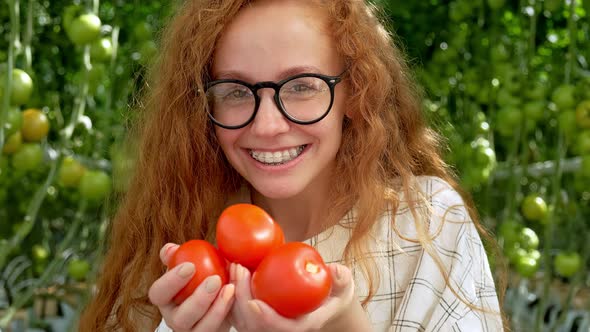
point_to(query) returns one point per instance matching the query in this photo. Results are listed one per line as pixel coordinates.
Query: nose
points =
(269, 120)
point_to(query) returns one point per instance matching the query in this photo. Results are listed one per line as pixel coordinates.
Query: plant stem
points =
(13, 4)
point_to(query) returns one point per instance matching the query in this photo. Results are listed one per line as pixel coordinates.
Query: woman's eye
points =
(236, 94)
(302, 88)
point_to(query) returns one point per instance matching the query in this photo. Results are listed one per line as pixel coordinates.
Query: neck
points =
(301, 216)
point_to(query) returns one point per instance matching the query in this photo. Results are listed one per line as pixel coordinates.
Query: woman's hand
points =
(205, 310)
(340, 311)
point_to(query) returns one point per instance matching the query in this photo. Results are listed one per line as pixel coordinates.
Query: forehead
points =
(270, 37)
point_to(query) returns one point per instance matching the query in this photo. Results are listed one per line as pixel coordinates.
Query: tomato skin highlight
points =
(207, 260)
(293, 280)
(245, 234)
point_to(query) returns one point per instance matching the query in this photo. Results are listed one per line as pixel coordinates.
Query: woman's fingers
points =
(189, 312)
(216, 315)
(163, 290)
(240, 277)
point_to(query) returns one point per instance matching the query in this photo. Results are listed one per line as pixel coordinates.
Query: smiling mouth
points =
(277, 157)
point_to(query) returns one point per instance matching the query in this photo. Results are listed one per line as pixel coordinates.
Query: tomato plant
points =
(207, 260)
(292, 279)
(35, 125)
(245, 234)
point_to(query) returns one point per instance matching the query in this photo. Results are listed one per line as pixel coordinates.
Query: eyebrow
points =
(234, 74)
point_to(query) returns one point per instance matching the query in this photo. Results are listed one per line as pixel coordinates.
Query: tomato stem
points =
(312, 267)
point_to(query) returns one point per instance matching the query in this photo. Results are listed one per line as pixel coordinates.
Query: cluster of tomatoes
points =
(290, 277)
(521, 243)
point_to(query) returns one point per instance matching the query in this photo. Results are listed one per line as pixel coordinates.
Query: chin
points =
(275, 190)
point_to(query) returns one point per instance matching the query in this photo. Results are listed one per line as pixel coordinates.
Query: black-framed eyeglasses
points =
(303, 99)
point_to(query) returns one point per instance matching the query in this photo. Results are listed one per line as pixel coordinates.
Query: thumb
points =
(342, 281)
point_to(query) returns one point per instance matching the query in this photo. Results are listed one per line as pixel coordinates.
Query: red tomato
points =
(207, 260)
(246, 234)
(292, 279)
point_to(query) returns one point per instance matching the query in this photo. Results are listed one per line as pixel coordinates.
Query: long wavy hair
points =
(182, 179)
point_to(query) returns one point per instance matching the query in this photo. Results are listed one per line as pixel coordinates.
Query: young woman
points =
(306, 109)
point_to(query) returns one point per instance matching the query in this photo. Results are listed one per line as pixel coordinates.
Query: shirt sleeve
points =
(431, 304)
(163, 327)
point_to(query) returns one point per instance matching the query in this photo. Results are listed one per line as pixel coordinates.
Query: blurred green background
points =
(506, 82)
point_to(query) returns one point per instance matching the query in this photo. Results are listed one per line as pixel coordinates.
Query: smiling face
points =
(270, 41)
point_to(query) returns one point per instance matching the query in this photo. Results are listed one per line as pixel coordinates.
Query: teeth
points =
(277, 157)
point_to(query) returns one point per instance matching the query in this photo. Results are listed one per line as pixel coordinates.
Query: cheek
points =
(226, 138)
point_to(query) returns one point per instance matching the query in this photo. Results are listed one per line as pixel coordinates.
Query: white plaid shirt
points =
(412, 294)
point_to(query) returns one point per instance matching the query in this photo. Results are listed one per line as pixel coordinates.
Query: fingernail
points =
(169, 247)
(228, 292)
(213, 284)
(255, 307)
(185, 270)
(232, 271)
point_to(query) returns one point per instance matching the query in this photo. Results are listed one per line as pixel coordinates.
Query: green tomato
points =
(527, 266)
(567, 263)
(534, 207)
(552, 5)
(40, 253)
(536, 91)
(582, 143)
(142, 31)
(94, 185)
(84, 29)
(585, 166)
(496, 4)
(28, 157)
(583, 114)
(509, 231)
(70, 172)
(564, 96)
(78, 269)
(508, 119)
(534, 110)
(567, 122)
(14, 121)
(13, 143)
(101, 50)
(147, 50)
(70, 12)
(22, 87)
(528, 239)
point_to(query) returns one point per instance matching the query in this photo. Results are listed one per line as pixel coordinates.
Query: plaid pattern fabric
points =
(412, 294)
